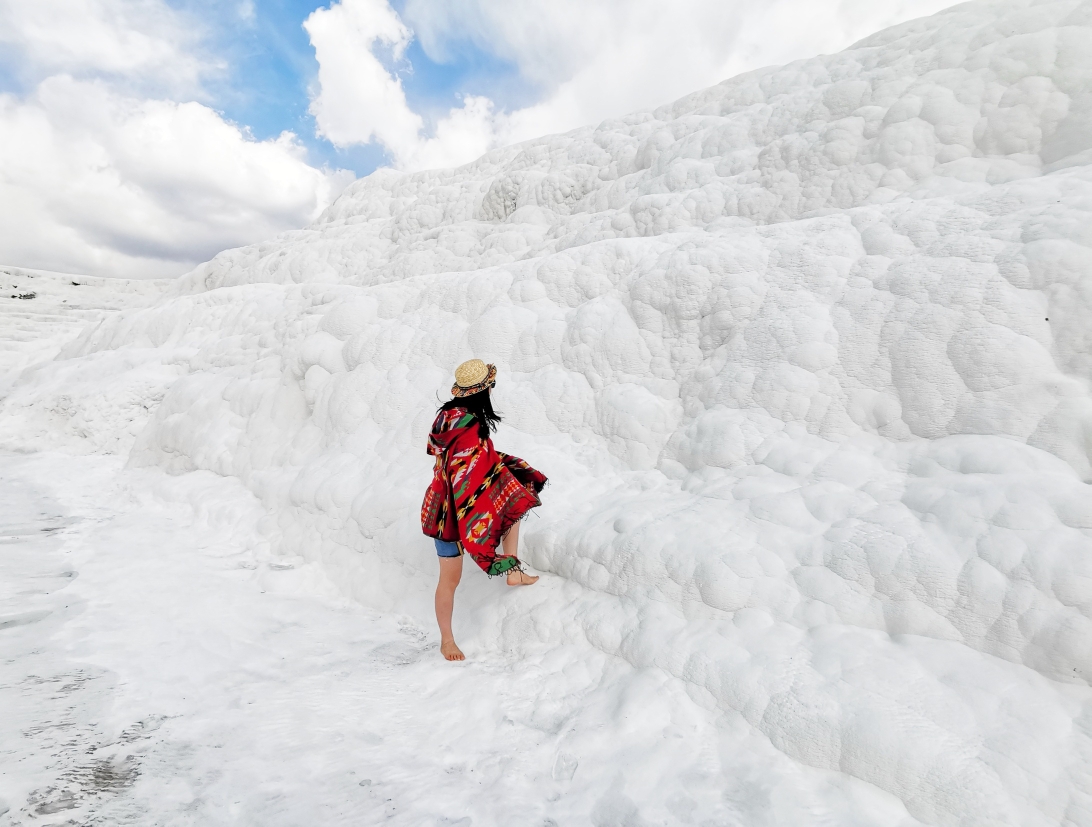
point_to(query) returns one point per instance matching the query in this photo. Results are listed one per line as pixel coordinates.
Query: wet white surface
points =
(805, 356)
(156, 668)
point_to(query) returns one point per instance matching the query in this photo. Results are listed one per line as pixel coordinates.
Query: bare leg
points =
(451, 571)
(509, 547)
(510, 541)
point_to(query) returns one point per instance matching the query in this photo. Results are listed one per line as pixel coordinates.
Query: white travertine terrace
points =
(806, 356)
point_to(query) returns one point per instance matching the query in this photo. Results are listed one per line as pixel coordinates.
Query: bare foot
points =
(519, 578)
(450, 651)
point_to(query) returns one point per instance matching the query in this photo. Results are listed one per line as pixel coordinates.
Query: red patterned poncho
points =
(491, 490)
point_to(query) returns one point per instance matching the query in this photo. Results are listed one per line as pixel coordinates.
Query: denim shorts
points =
(446, 549)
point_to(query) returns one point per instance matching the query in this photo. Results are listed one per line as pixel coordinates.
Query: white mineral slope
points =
(41, 311)
(806, 356)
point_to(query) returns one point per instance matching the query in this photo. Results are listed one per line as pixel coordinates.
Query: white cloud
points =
(107, 169)
(360, 100)
(593, 59)
(91, 181)
(465, 134)
(140, 40)
(103, 172)
(596, 59)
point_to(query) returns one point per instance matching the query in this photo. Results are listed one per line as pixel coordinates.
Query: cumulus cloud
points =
(590, 59)
(92, 181)
(638, 54)
(140, 40)
(361, 100)
(110, 167)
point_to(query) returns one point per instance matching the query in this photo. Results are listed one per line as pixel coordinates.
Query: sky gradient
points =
(143, 136)
(270, 70)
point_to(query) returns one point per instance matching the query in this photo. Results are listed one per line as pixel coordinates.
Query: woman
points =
(477, 495)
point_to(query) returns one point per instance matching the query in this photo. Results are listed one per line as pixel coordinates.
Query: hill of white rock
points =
(41, 311)
(806, 356)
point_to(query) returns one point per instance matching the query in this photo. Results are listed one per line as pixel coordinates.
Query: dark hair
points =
(479, 405)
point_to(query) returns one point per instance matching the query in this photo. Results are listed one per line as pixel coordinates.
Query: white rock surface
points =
(158, 666)
(806, 356)
(40, 312)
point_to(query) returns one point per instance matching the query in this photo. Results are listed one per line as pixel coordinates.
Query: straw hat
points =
(473, 377)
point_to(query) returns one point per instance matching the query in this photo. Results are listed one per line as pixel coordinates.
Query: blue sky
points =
(271, 70)
(268, 74)
(141, 136)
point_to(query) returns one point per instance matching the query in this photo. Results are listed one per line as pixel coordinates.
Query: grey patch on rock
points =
(396, 654)
(105, 775)
(51, 800)
(24, 619)
(142, 728)
(564, 767)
